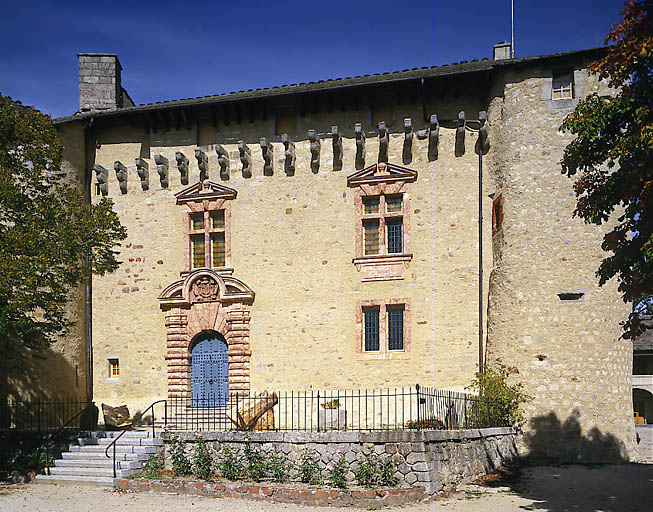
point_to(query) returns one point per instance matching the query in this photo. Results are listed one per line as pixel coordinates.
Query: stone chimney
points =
(99, 82)
(501, 51)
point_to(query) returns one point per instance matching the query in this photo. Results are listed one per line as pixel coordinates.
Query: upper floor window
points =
(562, 87)
(208, 224)
(382, 201)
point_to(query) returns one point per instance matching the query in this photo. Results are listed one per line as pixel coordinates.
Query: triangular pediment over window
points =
(205, 190)
(381, 173)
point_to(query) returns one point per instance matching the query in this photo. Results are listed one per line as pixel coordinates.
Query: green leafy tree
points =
(51, 239)
(500, 402)
(613, 156)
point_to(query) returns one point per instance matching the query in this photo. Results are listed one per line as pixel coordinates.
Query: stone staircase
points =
(86, 462)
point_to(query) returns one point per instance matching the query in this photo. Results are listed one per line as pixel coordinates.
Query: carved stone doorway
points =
(203, 301)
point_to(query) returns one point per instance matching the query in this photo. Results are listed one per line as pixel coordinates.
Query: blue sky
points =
(172, 50)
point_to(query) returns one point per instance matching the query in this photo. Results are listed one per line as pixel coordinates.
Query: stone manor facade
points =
(326, 236)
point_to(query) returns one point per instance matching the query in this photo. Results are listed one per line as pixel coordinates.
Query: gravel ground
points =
(623, 488)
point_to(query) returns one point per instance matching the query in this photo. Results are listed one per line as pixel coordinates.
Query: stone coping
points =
(398, 436)
(264, 491)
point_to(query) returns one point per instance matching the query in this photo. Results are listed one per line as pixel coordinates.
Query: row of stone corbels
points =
(432, 133)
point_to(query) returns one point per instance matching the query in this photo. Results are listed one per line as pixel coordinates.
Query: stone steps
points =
(77, 480)
(87, 463)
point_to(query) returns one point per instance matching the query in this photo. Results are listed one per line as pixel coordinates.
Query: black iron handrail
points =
(51, 436)
(113, 443)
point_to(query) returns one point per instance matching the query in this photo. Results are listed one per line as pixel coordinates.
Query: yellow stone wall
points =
(293, 244)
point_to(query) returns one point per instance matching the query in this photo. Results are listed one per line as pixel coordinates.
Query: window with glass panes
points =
(563, 86)
(207, 239)
(395, 316)
(371, 329)
(383, 223)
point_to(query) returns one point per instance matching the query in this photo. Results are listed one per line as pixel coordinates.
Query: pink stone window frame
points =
(207, 208)
(383, 352)
(382, 190)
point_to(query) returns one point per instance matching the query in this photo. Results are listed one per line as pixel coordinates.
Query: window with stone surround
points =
(382, 202)
(562, 87)
(383, 329)
(208, 225)
(114, 368)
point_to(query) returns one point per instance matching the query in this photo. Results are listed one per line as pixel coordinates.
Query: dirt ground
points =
(622, 488)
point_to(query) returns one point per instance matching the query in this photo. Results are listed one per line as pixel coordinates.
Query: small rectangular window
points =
(562, 87)
(114, 368)
(393, 204)
(97, 189)
(218, 249)
(217, 220)
(395, 328)
(394, 227)
(198, 254)
(371, 231)
(197, 222)
(371, 329)
(371, 205)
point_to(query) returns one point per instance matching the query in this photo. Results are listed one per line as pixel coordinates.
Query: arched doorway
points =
(209, 370)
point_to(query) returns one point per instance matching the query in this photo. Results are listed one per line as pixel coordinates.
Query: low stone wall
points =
(369, 499)
(434, 460)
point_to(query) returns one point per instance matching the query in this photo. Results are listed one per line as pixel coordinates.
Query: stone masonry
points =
(435, 460)
(294, 241)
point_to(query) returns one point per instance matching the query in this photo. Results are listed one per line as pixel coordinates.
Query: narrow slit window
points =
(371, 230)
(218, 249)
(395, 328)
(198, 254)
(371, 329)
(394, 228)
(114, 368)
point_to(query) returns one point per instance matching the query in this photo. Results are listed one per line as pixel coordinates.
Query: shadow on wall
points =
(48, 376)
(549, 440)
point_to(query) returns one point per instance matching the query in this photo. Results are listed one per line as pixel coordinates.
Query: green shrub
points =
(255, 462)
(500, 402)
(337, 472)
(231, 464)
(309, 468)
(178, 459)
(374, 470)
(279, 467)
(154, 466)
(202, 459)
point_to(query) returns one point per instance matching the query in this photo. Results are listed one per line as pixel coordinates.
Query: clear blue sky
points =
(172, 50)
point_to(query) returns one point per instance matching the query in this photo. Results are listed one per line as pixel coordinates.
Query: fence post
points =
(317, 410)
(418, 422)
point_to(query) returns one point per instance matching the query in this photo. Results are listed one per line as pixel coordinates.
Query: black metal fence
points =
(40, 415)
(405, 408)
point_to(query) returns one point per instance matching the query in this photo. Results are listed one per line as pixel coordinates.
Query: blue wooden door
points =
(210, 372)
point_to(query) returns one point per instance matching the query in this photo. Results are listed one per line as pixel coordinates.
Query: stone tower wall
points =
(568, 352)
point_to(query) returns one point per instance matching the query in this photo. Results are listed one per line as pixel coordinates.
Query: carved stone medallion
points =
(205, 289)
